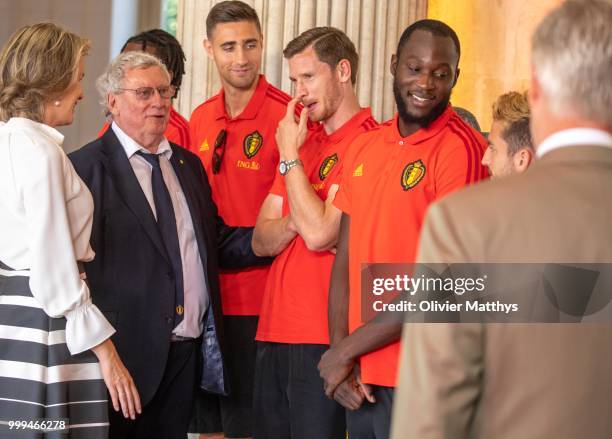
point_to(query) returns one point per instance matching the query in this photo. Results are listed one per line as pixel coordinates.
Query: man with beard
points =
(298, 223)
(539, 380)
(233, 133)
(390, 177)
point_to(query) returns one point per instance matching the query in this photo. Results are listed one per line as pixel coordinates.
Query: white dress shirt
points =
(45, 224)
(573, 137)
(195, 293)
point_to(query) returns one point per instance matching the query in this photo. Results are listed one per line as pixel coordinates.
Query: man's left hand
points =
(334, 369)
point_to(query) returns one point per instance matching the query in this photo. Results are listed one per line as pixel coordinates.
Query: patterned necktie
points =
(166, 222)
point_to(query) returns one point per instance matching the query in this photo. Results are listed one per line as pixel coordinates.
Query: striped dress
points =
(39, 379)
(50, 381)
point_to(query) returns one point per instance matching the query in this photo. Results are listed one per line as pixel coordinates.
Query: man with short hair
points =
(508, 381)
(510, 148)
(390, 177)
(164, 46)
(159, 243)
(299, 223)
(233, 134)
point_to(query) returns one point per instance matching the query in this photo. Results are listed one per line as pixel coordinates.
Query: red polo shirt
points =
(244, 179)
(294, 308)
(387, 184)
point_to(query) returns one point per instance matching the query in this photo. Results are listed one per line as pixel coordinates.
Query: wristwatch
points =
(285, 165)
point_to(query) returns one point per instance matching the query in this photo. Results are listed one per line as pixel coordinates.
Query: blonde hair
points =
(511, 107)
(511, 110)
(37, 65)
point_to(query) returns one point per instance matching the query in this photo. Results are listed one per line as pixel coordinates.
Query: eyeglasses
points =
(146, 93)
(219, 151)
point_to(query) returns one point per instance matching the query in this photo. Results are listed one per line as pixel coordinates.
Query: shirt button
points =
(401, 142)
(169, 320)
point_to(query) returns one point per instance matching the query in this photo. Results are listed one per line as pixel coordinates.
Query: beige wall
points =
(495, 43)
(88, 18)
(373, 25)
(494, 35)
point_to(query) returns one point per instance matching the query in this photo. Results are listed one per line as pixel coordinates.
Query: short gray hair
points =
(110, 80)
(572, 57)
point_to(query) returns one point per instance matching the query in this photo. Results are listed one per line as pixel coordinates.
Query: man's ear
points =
(208, 48)
(343, 70)
(111, 104)
(456, 76)
(522, 159)
(393, 65)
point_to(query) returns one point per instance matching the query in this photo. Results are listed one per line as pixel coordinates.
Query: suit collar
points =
(574, 154)
(574, 136)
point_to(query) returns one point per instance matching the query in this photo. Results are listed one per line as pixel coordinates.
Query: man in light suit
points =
(527, 381)
(159, 244)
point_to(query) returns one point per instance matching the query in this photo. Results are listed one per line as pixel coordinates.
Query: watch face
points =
(282, 167)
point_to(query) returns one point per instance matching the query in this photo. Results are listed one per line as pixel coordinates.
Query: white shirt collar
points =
(131, 146)
(572, 137)
(47, 130)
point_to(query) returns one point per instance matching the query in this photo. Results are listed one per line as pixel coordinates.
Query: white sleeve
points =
(54, 276)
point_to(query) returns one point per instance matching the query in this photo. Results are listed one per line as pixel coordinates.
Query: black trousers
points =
(289, 401)
(232, 414)
(167, 414)
(372, 421)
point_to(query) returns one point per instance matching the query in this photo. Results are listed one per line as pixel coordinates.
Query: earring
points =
(57, 103)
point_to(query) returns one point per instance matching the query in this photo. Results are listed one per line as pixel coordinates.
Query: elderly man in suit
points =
(159, 243)
(527, 381)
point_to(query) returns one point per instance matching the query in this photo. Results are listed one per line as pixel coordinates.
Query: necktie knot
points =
(153, 159)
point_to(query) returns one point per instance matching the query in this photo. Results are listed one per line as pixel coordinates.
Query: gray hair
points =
(572, 58)
(110, 81)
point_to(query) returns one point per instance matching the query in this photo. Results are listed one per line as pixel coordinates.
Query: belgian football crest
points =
(252, 144)
(327, 165)
(413, 173)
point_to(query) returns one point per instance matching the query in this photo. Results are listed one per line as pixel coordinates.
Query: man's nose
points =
(300, 89)
(486, 160)
(241, 57)
(425, 81)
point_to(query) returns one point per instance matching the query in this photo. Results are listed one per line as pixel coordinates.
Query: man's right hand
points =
(290, 135)
(349, 394)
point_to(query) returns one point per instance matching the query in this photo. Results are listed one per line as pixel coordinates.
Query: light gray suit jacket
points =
(515, 381)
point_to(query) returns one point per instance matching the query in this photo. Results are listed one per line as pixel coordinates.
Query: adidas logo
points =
(358, 172)
(204, 146)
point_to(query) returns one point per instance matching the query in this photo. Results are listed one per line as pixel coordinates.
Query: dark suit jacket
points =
(131, 277)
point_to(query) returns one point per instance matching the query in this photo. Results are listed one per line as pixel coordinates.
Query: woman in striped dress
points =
(56, 358)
